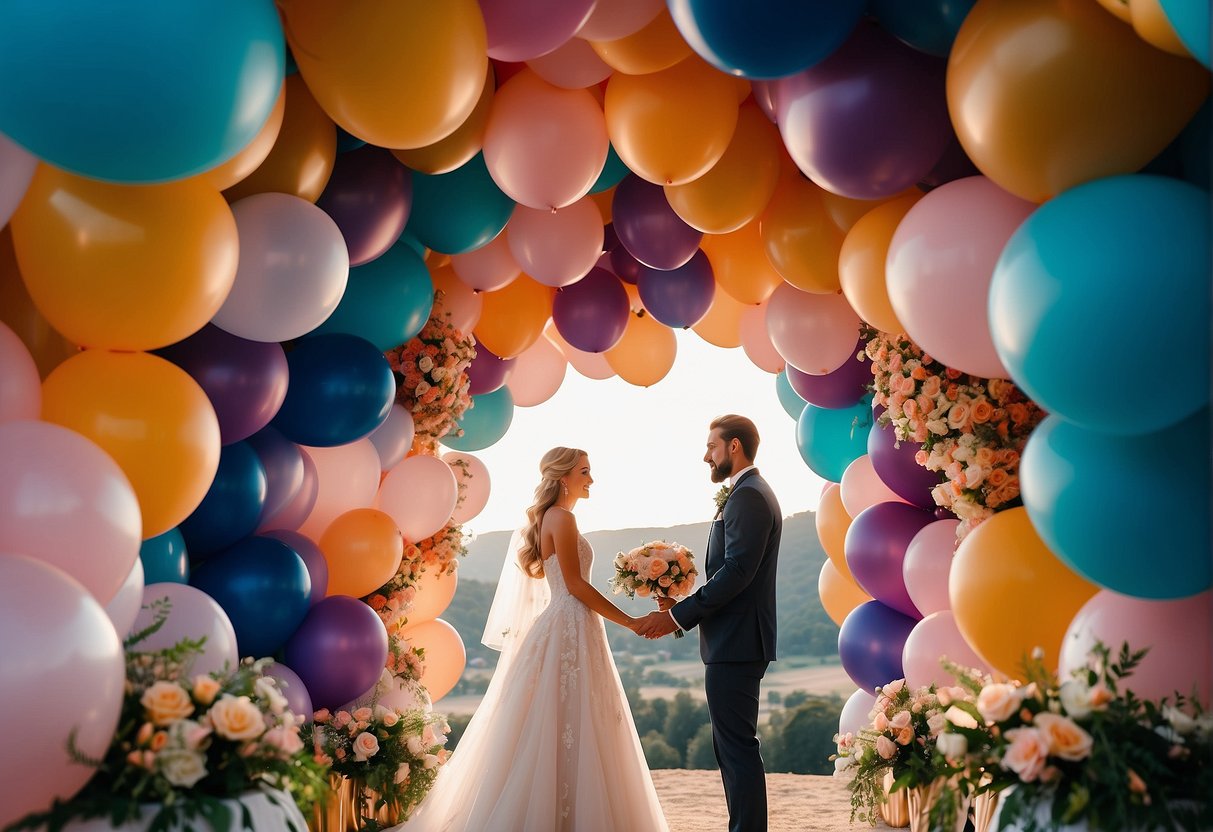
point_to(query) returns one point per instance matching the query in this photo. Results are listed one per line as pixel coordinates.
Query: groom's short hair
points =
(740, 428)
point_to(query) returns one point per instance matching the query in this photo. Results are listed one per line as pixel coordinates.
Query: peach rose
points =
(905, 736)
(900, 720)
(205, 690)
(982, 411)
(362, 714)
(365, 746)
(657, 568)
(1026, 753)
(880, 722)
(998, 701)
(166, 702)
(1065, 739)
(885, 747)
(237, 718)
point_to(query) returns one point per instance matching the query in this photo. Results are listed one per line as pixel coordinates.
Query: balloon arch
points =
(260, 261)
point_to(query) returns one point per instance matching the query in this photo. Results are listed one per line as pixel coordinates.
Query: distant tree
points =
(459, 724)
(774, 697)
(650, 715)
(699, 752)
(659, 753)
(685, 718)
(795, 699)
(802, 740)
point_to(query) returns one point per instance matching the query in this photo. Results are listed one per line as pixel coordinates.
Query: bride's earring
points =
(564, 488)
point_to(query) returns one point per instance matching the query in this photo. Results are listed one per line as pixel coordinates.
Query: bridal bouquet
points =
(657, 568)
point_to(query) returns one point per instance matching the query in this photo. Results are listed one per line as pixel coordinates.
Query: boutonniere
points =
(722, 497)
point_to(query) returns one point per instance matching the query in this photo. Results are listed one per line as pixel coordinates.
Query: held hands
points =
(664, 604)
(654, 625)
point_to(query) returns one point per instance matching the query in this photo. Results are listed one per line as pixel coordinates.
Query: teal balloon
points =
(1190, 20)
(927, 25)
(1099, 305)
(1128, 513)
(459, 211)
(789, 398)
(830, 440)
(387, 301)
(137, 92)
(165, 559)
(485, 422)
(612, 172)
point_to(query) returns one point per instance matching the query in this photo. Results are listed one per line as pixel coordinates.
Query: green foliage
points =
(658, 753)
(700, 753)
(683, 723)
(800, 740)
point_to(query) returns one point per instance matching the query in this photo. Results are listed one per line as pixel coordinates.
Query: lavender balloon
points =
(487, 372)
(292, 515)
(870, 643)
(369, 196)
(592, 313)
(898, 469)
(283, 463)
(309, 552)
(298, 700)
(679, 297)
(875, 548)
(338, 651)
(842, 388)
(648, 227)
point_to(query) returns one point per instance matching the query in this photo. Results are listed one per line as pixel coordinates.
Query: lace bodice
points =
(555, 578)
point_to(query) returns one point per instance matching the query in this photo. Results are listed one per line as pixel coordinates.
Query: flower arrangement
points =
(1084, 750)
(656, 568)
(434, 381)
(972, 430)
(393, 753)
(189, 742)
(722, 497)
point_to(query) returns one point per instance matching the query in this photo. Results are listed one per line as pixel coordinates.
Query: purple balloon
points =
(338, 651)
(283, 463)
(954, 164)
(842, 388)
(624, 265)
(487, 372)
(297, 698)
(369, 196)
(592, 313)
(292, 515)
(309, 552)
(875, 547)
(870, 644)
(679, 297)
(246, 381)
(868, 121)
(648, 227)
(898, 469)
(610, 240)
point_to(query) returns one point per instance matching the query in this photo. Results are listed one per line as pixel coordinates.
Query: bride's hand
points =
(664, 604)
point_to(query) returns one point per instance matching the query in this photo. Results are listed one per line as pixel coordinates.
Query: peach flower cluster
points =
(434, 385)
(658, 568)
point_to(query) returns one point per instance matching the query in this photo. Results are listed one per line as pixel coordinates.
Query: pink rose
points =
(362, 714)
(365, 746)
(900, 720)
(885, 747)
(1026, 753)
(1063, 736)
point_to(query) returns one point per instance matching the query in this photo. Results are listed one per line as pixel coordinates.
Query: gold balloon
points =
(655, 46)
(645, 354)
(453, 151)
(832, 524)
(434, 594)
(739, 261)
(252, 154)
(800, 239)
(512, 318)
(861, 263)
(839, 594)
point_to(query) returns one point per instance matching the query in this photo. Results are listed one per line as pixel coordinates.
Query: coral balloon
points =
(347, 477)
(645, 353)
(800, 240)
(933, 639)
(739, 261)
(445, 656)
(20, 384)
(861, 263)
(927, 564)
(814, 333)
(863, 488)
(490, 267)
(456, 149)
(756, 341)
(838, 593)
(1093, 100)
(514, 316)
(519, 30)
(538, 373)
(832, 522)
(655, 46)
(556, 246)
(573, 65)
(1004, 565)
(722, 323)
(151, 417)
(362, 548)
(592, 365)
(472, 477)
(435, 591)
(94, 257)
(420, 494)
(455, 298)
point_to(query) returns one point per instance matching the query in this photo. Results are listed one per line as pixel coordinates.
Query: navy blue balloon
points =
(459, 211)
(678, 297)
(870, 643)
(165, 559)
(1084, 495)
(927, 25)
(341, 389)
(830, 440)
(313, 559)
(793, 405)
(232, 505)
(765, 38)
(264, 588)
(485, 422)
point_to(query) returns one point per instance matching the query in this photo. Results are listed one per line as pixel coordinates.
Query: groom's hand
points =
(656, 625)
(664, 604)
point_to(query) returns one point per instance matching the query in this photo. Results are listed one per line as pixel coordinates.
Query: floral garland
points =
(434, 381)
(972, 430)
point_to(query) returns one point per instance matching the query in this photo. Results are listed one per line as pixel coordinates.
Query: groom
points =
(735, 611)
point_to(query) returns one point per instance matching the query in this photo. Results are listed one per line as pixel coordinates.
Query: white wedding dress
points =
(552, 745)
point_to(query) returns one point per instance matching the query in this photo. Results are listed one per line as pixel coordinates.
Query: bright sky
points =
(646, 445)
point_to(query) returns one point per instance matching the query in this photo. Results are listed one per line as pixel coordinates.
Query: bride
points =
(552, 745)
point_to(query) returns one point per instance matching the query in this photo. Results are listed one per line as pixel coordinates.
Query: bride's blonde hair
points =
(554, 465)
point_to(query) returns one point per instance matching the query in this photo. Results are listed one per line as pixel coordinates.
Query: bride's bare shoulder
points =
(557, 519)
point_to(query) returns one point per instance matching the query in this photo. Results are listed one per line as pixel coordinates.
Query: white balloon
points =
(472, 477)
(123, 608)
(394, 438)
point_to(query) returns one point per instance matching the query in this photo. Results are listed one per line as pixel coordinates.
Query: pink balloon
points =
(519, 30)
(419, 494)
(854, 716)
(940, 264)
(592, 365)
(474, 483)
(615, 19)
(348, 476)
(20, 384)
(434, 594)
(1179, 634)
(557, 247)
(64, 674)
(193, 615)
(574, 65)
(544, 146)
(932, 639)
(462, 302)
(489, 267)
(756, 341)
(862, 487)
(538, 373)
(814, 333)
(291, 516)
(927, 563)
(293, 269)
(123, 608)
(394, 438)
(66, 502)
(16, 170)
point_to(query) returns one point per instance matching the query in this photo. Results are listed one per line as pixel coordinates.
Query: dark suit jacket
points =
(735, 608)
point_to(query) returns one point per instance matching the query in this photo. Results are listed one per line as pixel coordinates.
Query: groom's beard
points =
(721, 472)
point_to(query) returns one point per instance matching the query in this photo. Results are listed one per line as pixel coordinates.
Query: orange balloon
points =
(1151, 24)
(253, 154)
(861, 263)
(445, 656)
(1047, 94)
(1120, 8)
(151, 417)
(303, 155)
(844, 212)
(603, 200)
(1011, 595)
(722, 324)
(635, 303)
(739, 261)
(800, 238)
(17, 310)
(832, 524)
(513, 317)
(655, 46)
(839, 594)
(453, 151)
(125, 267)
(645, 353)
(363, 549)
(434, 594)
(395, 73)
(737, 188)
(671, 126)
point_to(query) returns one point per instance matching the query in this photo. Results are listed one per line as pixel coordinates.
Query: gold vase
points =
(335, 812)
(367, 805)
(894, 809)
(984, 805)
(921, 799)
